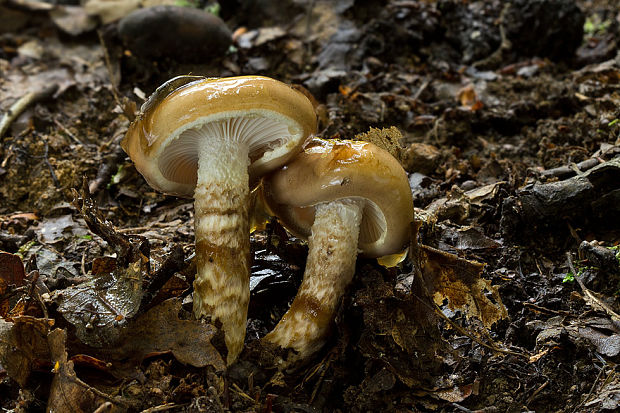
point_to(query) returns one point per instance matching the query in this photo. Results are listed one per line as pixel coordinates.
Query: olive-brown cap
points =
(328, 170)
(272, 118)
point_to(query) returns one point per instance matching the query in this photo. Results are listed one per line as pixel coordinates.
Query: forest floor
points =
(506, 116)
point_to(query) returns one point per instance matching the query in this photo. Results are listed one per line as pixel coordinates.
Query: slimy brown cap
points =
(328, 170)
(268, 116)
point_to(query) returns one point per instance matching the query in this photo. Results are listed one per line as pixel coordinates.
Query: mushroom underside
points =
(266, 135)
(373, 227)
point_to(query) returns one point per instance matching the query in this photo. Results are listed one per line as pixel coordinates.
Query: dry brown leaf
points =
(11, 273)
(160, 330)
(68, 393)
(458, 283)
(468, 98)
(23, 346)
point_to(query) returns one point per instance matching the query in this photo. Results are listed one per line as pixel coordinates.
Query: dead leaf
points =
(72, 19)
(112, 10)
(160, 330)
(599, 332)
(23, 346)
(458, 283)
(468, 98)
(68, 393)
(455, 394)
(400, 331)
(607, 398)
(97, 308)
(103, 265)
(11, 273)
(52, 230)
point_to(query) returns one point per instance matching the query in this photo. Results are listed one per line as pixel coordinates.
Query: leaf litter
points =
(512, 159)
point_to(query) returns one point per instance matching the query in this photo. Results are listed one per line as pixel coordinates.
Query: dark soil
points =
(506, 116)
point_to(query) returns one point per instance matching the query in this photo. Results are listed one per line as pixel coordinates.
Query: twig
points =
(22, 104)
(309, 10)
(614, 316)
(104, 407)
(174, 262)
(319, 382)
(421, 89)
(538, 390)
(163, 407)
(598, 377)
(107, 168)
(496, 57)
(97, 392)
(464, 332)
(545, 310)
(243, 394)
(49, 165)
(569, 170)
(462, 408)
(67, 132)
(127, 109)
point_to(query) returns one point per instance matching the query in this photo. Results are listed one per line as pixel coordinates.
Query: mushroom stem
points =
(221, 287)
(332, 252)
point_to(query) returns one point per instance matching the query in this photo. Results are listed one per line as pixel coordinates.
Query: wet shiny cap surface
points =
(187, 103)
(335, 169)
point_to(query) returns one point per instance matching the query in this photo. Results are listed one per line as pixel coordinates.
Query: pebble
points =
(421, 157)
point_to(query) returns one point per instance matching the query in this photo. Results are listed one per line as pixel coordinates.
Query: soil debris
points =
(505, 116)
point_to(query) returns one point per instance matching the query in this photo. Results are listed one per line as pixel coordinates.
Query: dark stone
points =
(545, 28)
(180, 33)
(542, 28)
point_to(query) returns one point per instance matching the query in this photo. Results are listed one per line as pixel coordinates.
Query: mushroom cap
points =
(328, 170)
(273, 118)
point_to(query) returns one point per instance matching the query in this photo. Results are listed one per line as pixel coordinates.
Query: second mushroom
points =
(342, 196)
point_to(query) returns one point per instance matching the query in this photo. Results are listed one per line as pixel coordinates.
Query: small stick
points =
(107, 169)
(567, 171)
(67, 132)
(615, 317)
(598, 378)
(49, 165)
(22, 104)
(536, 392)
(174, 262)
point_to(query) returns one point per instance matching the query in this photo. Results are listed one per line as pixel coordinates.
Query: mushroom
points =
(210, 139)
(342, 196)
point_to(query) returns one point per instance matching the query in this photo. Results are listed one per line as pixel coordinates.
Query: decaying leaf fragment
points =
(401, 330)
(68, 393)
(98, 307)
(23, 346)
(11, 274)
(583, 200)
(160, 330)
(458, 283)
(599, 332)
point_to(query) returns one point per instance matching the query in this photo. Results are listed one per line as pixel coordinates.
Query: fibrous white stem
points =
(221, 199)
(332, 252)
